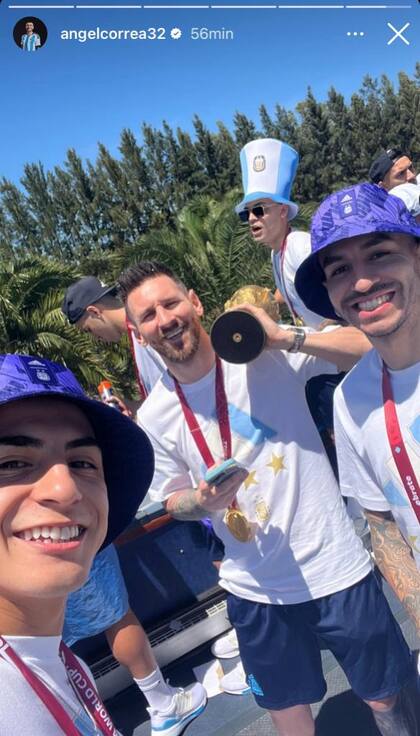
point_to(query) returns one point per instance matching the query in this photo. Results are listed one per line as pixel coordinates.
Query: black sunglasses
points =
(257, 211)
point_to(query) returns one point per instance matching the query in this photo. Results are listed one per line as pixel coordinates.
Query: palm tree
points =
(31, 322)
(208, 248)
(304, 216)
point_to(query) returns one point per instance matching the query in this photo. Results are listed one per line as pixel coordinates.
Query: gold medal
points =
(238, 525)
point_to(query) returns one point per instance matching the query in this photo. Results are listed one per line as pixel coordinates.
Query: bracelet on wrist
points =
(299, 339)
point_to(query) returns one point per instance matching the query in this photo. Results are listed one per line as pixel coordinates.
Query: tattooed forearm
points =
(184, 506)
(395, 561)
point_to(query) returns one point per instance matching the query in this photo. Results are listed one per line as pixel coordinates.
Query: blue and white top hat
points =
(268, 170)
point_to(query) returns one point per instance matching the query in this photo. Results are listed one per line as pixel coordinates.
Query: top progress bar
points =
(300, 6)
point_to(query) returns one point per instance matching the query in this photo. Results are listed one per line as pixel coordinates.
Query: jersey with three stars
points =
(303, 543)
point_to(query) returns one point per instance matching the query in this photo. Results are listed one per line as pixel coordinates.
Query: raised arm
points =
(394, 558)
(343, 346)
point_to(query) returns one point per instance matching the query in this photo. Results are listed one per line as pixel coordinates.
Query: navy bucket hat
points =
(358, 210)
(127, 454)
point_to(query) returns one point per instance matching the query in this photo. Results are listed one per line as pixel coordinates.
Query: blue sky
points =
(72, 94)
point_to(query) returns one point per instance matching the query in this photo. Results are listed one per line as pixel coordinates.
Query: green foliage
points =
(208, 248)
(31, 322)
(80, 210)
(171, 198)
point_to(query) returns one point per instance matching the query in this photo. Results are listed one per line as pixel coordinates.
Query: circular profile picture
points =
(30, 33)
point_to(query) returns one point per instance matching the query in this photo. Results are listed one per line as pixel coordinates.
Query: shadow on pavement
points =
(345, 714)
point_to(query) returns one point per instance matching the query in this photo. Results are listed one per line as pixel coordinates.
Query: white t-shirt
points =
(305, 546)
(296, 249)
(22, 713)
(366, 467)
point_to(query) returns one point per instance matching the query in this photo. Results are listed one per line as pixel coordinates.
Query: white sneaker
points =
(186, 705)
(226, 647)
(235, 682)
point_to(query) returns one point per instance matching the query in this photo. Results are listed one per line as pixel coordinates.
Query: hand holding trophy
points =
(237, 335)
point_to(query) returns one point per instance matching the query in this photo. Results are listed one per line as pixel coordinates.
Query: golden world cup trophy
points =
(237, 336)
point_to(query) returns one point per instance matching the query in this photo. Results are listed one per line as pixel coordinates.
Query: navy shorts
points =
(280, 645)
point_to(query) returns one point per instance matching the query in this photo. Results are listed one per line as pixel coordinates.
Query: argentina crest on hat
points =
(268, 171)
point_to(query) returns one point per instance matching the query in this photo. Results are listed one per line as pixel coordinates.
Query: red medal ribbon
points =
(80, 682)
(222, 413)
(399, 452)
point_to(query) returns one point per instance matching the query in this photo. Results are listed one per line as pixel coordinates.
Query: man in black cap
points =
(94, 307)
(391, 168)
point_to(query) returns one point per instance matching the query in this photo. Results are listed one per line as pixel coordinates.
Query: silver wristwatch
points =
(300, 336)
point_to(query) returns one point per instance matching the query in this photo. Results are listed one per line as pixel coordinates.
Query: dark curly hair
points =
(135, 275)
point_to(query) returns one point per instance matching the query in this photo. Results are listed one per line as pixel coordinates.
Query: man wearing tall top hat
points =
(294, 569)
(268, 170)
(365, 266)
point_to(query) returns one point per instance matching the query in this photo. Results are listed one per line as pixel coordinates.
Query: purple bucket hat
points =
(358, 210)
(127, 454)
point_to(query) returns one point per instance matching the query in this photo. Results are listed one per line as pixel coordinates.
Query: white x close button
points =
(398, 34)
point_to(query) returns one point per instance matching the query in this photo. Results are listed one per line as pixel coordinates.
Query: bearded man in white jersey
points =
(95, 308)
(365, 266)
(65, 461)
(295, 571)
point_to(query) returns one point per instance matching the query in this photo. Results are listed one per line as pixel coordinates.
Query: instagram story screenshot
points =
(210, 335)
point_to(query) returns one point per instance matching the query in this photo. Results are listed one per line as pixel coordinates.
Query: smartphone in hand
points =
(215, 476)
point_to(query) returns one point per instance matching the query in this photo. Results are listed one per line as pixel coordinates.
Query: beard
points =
(180, 355)
(407, 319)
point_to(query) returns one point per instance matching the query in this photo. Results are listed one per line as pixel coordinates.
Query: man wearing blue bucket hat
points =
(365, 266)
(65, 461)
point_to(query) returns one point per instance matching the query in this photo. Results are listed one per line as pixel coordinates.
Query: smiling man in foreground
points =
(65, 461)
(365, 266)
